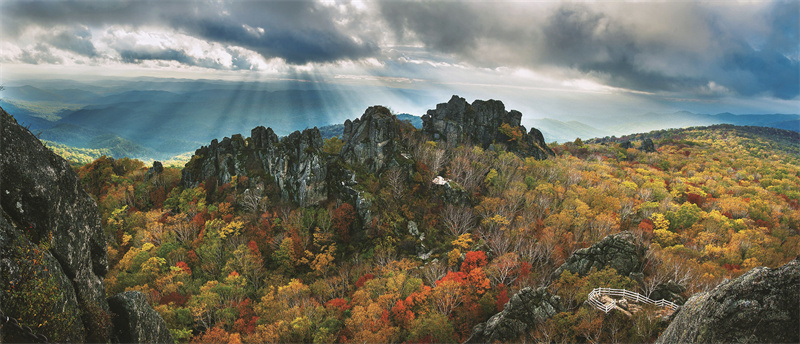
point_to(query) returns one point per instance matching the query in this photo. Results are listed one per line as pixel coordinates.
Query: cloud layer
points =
(702, 50)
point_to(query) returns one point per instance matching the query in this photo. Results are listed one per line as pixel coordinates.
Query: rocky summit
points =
(51, 241)
(478, 123)
(304, 175)
(294, 163)
(761, 306)
(370, 140)
(619, 251)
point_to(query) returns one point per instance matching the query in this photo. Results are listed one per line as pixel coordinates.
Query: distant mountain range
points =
(180, 116)
(555, 130)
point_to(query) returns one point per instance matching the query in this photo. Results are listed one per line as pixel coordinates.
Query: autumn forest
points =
(230, 262)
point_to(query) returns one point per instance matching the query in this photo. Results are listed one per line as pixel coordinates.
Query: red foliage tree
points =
(473, 259)
(343, 218)
(364, 279)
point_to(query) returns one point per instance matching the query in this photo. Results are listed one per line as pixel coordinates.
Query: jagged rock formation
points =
(43, 202)
(761, 306)
(648, 146)
(136, 321)
(370, 141)
(294, 162)
(526, 309)
(478, 123)
(372, 144)
(618, 251)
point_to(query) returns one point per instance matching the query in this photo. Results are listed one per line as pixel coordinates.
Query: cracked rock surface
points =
(761, 306)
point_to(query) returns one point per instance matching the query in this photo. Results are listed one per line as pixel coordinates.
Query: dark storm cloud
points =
(653, 47)
(18, 15)
(137, 56)
(294, 46)
(78, 40)
(447, 26)
(296, 31)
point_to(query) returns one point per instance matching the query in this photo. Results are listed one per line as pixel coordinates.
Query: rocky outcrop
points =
(669, 291)
(479, 123)
(451, 193)
(51, 240)
(618, 251)
(43, 201)
(760, 306)
(295, 163)
(371, 140)
(526, 309)
(136, 321)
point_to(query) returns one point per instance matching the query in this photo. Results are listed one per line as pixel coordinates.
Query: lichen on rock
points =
(526, 309)
(136, 321)
(761, 306)
(619, 251)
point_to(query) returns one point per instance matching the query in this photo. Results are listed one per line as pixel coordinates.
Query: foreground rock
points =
(761, 306)
(522, 313)
(479, 123)
(51, 241)
(618, 251)
(43, 201)
(136, 321)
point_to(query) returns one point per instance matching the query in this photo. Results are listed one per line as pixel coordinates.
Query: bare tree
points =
(498, 240)
(251, 200)
(434, 271)
(395, 182)
(468, 169)
(458, 219)
(447, 296)
(502, 268)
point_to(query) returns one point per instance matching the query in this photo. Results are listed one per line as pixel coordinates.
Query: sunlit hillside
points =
(220, 262)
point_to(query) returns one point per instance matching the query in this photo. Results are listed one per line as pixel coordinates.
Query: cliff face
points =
(42, 200)
(761, 306)
(374, 142)
(50, 239)
(294, 162)
(371, 140)
(478, 123)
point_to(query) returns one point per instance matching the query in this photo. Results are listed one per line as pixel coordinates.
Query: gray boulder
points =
(136, 321)
(526, 309)
(761, 306)
(452, 193)
(669, 291)
(618, 251)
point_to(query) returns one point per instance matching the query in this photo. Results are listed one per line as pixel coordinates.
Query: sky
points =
(545, 58)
